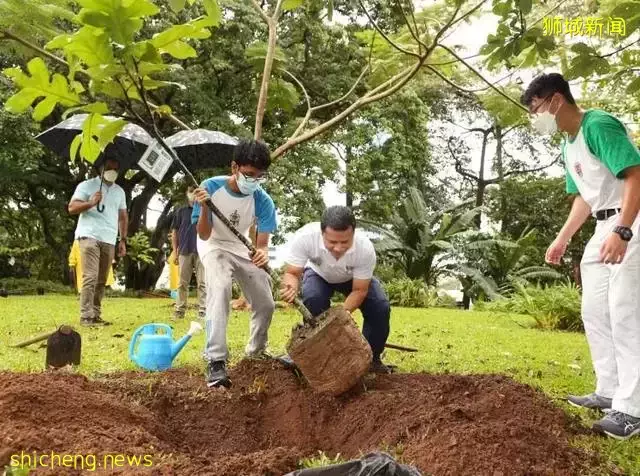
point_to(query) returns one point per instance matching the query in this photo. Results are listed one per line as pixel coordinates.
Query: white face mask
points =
(191, 197)
(545, 122)
(246, 187)
(110, 176)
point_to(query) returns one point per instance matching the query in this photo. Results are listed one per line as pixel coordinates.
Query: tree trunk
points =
(347, 163)
(466, 301)
(482, 184)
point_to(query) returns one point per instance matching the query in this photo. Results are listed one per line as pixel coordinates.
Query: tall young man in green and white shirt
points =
(603, 171)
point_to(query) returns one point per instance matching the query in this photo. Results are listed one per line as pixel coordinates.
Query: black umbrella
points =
(203, 149)
(127, 147)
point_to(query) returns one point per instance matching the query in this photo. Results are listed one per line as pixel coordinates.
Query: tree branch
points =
(537, 169)
(377, 93)
(384, 35)
(458, 164)
(262, 13)
(266, 73)
(620, 49)
(355, 85)
(477, 73)
(307, 116)
(415, 33)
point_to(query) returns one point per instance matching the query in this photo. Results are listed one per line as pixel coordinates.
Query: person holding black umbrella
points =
(102, 209)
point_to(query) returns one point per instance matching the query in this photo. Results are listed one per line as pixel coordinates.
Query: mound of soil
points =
(269, 420)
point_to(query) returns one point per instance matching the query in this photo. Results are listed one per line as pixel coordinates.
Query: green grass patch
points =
(449, 341)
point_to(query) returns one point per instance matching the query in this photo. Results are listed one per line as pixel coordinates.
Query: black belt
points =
(606, 214)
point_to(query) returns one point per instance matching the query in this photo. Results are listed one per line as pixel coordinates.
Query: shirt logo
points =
(235, 218)
(349, 269)
(578, 169)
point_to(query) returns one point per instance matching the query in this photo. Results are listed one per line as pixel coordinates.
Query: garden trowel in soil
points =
(63, 348)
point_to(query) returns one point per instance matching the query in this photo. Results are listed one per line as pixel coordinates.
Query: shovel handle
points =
(306, 314)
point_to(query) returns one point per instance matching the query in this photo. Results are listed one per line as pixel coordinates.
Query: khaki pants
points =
(187, 265)
(96, 257)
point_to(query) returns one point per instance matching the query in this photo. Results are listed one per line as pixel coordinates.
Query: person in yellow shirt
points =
(75, 264)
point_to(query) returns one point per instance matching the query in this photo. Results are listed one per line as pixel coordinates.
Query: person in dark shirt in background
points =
(183, 242)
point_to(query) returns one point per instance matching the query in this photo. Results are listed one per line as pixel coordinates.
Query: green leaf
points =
(525, 6)
(176, 5)
(444, 245)
(213, 11)
(95, 107)
(289, 5)
(283, 95)
(38, 85)
(257, 52)
(89, 44)
(583, 49)
(109, 132)
(90, 149)
(630, 12)
(75, 144)
(634, 86)
(170, 40)
(180, 50)
(121, 19)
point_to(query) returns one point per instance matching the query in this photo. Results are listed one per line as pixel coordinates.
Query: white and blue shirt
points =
(101, 226)
(241, 210)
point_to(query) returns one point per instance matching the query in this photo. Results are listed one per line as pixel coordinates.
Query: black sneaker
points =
(98, 321)
(88, 323)
(217, 374)
(592, 401)
(618, 425)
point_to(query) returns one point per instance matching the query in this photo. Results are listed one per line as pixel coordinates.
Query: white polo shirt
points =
(307, 250)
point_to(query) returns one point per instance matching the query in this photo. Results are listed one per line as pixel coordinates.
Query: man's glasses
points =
(535, 110)
(250, 179)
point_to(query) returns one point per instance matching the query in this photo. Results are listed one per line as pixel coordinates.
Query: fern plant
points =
(420, 240)
(501, 266)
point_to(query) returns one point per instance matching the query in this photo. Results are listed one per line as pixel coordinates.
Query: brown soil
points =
(443, 424)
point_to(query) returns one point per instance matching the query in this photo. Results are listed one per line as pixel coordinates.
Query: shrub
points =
(34, 286)
(405, 292)
(552, 307)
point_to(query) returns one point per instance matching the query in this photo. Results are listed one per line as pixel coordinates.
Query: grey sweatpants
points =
(220, 268)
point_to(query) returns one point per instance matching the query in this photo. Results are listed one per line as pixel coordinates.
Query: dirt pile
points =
(443, 424)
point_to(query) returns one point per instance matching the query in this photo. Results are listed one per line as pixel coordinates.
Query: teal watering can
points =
(156, 351)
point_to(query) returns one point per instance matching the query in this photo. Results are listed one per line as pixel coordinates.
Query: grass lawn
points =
(450, 341)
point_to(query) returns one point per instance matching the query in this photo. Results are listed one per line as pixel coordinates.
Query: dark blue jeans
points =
(376, 310)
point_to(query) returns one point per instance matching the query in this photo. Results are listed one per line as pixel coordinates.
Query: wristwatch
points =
(625, 233)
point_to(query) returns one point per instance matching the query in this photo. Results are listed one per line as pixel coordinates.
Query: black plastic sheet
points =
(373, 464)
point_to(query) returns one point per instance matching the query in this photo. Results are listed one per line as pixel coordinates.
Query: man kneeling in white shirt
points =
(332, 256)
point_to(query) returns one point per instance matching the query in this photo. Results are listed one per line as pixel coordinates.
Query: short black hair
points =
(338, 218)
(546, 85)
(252, 152)
(110, 159)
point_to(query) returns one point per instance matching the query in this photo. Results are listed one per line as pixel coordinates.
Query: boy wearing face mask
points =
(102, 209)
(241, 199)
(183, 241)
(603, 171)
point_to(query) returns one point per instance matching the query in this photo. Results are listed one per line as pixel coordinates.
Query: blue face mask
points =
(247, 187)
